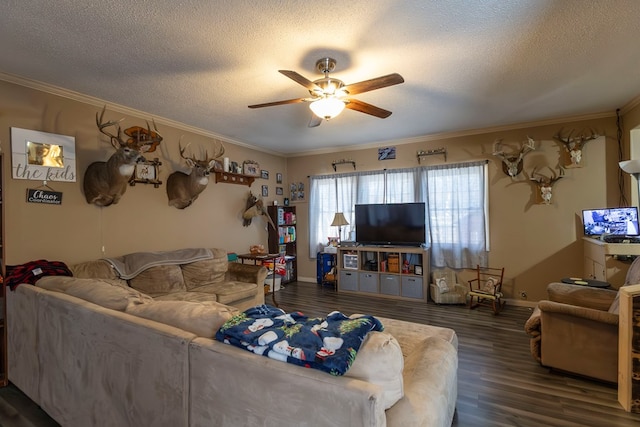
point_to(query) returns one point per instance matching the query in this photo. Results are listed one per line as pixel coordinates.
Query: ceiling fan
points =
(329, 96)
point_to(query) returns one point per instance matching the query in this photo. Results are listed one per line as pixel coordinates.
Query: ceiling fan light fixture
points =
(327, 107)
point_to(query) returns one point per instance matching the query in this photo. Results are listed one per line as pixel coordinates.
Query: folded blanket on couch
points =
(129, 266)
(329, 344)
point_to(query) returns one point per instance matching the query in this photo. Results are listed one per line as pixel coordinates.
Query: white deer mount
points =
(512, 162)
(182, 188)
(545, 184)
(105, 182)
(573, 146)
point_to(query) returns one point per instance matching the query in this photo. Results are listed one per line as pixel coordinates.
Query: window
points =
(455, 195)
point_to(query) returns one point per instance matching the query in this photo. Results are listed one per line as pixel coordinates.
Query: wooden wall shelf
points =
(234, 178)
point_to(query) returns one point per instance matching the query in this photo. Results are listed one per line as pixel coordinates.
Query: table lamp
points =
(338, 221)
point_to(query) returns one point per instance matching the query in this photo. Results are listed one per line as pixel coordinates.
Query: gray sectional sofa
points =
(96, 352)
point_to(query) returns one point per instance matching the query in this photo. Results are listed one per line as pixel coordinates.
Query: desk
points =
(608, 262)
(264, 258)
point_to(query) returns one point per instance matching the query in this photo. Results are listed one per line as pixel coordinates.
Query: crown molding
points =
(87, 99)
(461, 133)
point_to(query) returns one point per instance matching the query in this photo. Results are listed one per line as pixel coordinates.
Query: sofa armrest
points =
(595, 298)
(548, 307)
(247, 273)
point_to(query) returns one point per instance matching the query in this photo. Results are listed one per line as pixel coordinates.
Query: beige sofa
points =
(95, 352)
(183, 275)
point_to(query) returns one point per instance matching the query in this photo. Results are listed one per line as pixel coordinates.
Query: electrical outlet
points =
(523, 295)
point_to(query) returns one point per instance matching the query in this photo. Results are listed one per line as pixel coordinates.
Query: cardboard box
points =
(393, 263)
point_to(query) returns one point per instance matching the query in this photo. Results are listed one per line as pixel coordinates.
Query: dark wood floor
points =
(499, 384)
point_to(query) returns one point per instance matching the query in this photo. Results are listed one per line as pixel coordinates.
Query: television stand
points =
(397, 272)
(608, 262)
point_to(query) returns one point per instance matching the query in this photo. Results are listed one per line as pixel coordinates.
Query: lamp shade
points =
(630, 166)
(339, 220)
(327, 108)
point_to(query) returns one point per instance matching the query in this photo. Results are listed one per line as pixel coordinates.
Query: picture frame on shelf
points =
(417, 270)
(286, 201)
(251, 168)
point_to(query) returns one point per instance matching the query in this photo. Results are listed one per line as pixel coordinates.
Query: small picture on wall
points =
(265, 190)
(279, 191)
(386, 153)
(264, 174)
(286, 201)
(278, 178)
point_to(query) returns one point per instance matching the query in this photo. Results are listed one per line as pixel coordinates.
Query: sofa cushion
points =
(104, 292)
(228, 292)
(207, 271)
(380, 361)
(99, 269)
(193, 296)
(159, 280)
(200, 318)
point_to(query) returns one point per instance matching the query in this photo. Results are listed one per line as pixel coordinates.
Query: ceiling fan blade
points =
(315, 121)
(363, 107)
(271, 104)
(300, 79)
(377, 83)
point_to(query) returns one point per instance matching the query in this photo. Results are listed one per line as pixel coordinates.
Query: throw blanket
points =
(34, 270)
(329, 344)
(129, 266)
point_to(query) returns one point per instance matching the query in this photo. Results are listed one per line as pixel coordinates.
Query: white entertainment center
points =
(400, 272)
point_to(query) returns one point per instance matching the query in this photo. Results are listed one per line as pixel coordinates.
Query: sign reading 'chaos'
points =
(42, 156)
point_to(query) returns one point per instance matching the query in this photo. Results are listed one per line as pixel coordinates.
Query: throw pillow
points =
(490, 285)
(200, 318)
(380, 361)
(442, 285)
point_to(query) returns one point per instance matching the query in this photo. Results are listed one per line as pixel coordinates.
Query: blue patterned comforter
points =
(329, 344)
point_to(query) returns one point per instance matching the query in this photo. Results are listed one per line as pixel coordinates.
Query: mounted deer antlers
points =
(574, 145)
(183, 189)
(512, 163)
(545, 184)
(106, 182)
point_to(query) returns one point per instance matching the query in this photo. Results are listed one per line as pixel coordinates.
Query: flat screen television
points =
(616, 221)
(398, 224)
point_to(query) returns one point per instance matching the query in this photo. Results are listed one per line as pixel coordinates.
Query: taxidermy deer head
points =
(574, 145)
(183, 189)
(106, 182)
(545, 184)
(512, 162)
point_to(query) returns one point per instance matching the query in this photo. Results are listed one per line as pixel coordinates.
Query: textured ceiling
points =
(466, 64)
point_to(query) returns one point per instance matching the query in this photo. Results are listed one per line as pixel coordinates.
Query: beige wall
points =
(537, 244)
(76, 231)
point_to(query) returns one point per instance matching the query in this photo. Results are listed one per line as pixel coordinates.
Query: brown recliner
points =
(576, 329)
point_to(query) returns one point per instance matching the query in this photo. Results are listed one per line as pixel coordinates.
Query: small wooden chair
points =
(486, 288)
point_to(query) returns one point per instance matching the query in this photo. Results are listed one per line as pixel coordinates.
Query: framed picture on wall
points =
(265, 190)
(278, 178)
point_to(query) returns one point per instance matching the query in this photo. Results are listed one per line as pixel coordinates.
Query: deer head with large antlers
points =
(512, 162)
(183, 189)
(106, 182)
(574, 145)
(545, 184)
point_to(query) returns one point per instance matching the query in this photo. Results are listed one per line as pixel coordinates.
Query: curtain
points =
(455, 198)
